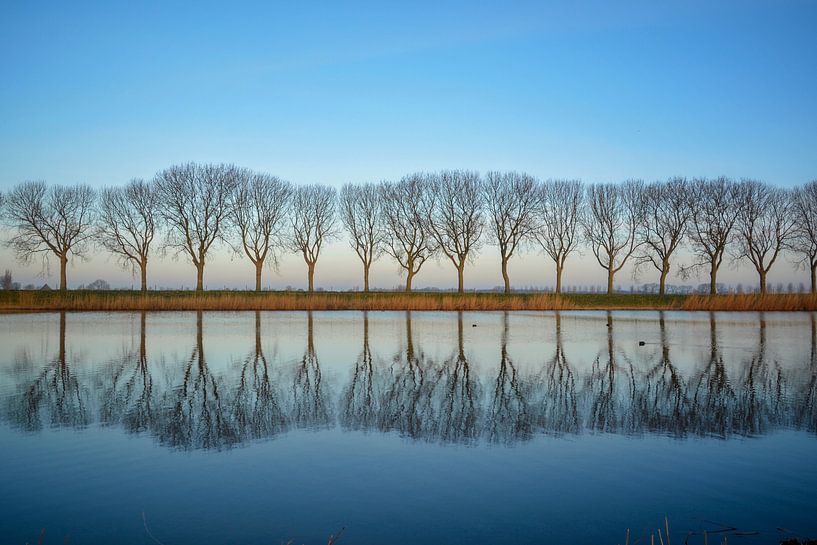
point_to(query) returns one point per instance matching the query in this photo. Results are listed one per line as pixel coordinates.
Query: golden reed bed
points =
(22, 301)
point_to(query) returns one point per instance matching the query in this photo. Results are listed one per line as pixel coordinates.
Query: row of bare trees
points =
(447, 215)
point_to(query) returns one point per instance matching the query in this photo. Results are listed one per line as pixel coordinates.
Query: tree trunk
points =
(63, 276)
(199, 275)
(311, 267)
(143, 267)
(814, 278)
(559, 278)
(259, 266)
(460, 284)
(365, 278)
(610, 275)
(505, 275)
(662, 283)
(410, 273)
(762, 275)
(713, 280)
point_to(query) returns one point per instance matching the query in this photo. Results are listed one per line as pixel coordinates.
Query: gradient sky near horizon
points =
(337, 91)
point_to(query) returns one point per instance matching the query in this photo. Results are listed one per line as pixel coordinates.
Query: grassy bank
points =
(20, 301)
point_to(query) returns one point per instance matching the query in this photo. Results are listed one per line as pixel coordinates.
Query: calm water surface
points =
(406, 427)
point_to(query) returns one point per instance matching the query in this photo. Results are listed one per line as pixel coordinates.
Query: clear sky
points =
(335, 92)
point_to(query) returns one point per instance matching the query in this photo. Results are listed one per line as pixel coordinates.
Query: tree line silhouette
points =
(409, 392)
(187, 209)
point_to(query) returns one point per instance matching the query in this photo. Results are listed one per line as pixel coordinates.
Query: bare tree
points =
(194, 202)
(407, 238)
(561, 210)
(453, 210)
(258, 210)
(804, 244)
(667, 209)
(615, 212)
(127, 224)
(50, 220)
(711, 225)
(313, 223)
(512, 200)
(7, 281)
(360, 211)
(765, 225)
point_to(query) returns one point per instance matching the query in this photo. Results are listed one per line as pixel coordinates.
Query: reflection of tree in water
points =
(311, 405)
(712, 397)
(54, 395)
(127, 392)
(555, 409)
(761, 397)
(458, 407)
(423, 398)
(601, 388)
(509, 418)
(660, 395)
(194, 415)
(257, 411)
(806, 400)
(407, 400)
(359, 405)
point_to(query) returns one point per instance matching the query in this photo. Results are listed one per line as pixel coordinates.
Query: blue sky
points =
(335, 92)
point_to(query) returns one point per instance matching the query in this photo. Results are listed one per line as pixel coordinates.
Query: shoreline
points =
(13, 302)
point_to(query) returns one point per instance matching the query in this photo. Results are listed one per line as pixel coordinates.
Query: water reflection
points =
(55, 397)
(456, 396)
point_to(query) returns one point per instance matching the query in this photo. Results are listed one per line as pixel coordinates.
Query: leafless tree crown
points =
(259, 208)
(615, 211)
(127, 222)
(360, 212)
(455, 217)
(804, 241)
(711, 224)
(765, 225)
(407, 238)
(47, 220)
(195, 204)
(314, 222)
(561, 212)
(667, 208)
(511, 201)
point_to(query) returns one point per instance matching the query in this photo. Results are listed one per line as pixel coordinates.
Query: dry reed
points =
(26, 301)
(753, 302)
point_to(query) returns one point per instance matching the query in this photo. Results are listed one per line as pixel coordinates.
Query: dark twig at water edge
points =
(717, 536)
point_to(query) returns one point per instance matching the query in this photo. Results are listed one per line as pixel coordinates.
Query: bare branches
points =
(258, 209)
(765, 225)
(313, 223)
(195, 204)
(561, 211)
(711, 224)
(422, 215)
(804, 243)
(55, 220)
(406, 234)
(667, 209)
(615, 212)
(360, 211)
(127, 223)
(511, 201)
(453, 210)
